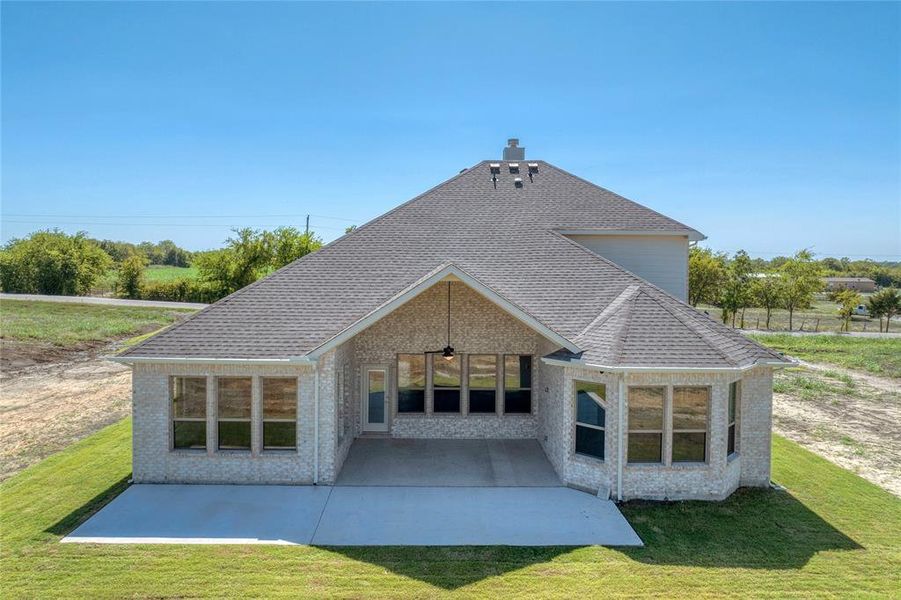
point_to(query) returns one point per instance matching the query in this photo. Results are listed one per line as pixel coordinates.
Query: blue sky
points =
(769, 127)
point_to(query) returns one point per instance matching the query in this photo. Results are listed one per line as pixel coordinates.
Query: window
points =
(690, 424)
(734, 392)
(188, 412)
(482, 383)
(234, 413)
(410, 383)
(446, 379)
(517, 384)
(590, 418)
(280, 413)
(646, 424)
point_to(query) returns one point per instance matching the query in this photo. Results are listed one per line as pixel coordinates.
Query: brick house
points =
(512, 301)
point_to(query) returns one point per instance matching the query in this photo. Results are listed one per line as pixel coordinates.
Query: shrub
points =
(131, 276)
(52, 262)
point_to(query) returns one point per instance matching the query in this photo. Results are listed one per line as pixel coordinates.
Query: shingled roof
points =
(503, 234)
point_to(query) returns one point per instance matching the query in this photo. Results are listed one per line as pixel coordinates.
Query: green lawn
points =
(66, 324)
(880, 356)
(155, 273)
(821, 316)
(830, 533)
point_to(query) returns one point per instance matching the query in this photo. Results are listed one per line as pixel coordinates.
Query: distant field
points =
(70, 324)
(880, 356)
(821, 317)
(166, 273)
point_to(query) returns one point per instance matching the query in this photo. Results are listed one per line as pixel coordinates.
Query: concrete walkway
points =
(356, 516)
(105, 301)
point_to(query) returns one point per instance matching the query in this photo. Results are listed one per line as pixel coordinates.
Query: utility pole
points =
(307, 230)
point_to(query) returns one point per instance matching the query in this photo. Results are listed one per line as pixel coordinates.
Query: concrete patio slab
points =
(356, 516)
(207, 514)
(442, 463)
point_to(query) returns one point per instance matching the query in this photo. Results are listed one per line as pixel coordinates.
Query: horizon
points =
(767, 127)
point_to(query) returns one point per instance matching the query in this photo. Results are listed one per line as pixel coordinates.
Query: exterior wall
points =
(478, 326)
(660, 259)
(715, 479)
(154, 460)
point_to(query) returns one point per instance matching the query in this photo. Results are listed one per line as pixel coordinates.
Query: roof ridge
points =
(623, 298)
(705, 335)
(619, 340)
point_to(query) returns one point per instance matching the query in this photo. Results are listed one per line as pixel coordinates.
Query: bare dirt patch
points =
(848, 417)
(52, 397)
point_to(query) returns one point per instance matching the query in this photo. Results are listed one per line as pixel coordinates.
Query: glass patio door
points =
(375, 399)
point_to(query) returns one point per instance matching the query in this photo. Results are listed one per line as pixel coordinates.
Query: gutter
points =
(316, 423)
(620, 437)
(636, 369)
(129, 360)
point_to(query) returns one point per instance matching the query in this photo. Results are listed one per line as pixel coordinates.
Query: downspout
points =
(620, 437)
(316, 422)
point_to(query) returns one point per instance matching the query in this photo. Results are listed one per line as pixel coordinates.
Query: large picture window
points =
(591, 417)
(690, 424)
(446, 377)
(188, 396)
(482, 383)
(410, 383)
(517, 384)
(234, 413)
(280, 413)
(731, 440)
(646, 424)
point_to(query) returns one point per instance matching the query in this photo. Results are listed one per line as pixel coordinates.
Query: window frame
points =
(577, 423)
(665, 417)
(705, 431)
(518, 388)
(173, 419)
(430, 384)
(733, 402)
(470, 388)
(220, 419)
(264, 420)
(425, 385)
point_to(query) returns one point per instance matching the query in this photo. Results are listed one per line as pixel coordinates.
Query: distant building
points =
(858, 284)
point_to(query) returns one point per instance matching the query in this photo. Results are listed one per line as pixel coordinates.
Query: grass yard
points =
(880, 356)
(155, 273)
(830, 533)
(822, 316)
(65, 324)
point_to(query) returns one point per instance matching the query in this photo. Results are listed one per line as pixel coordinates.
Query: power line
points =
(148, 224)
(285, 216)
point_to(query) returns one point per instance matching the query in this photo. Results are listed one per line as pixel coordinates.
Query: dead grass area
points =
(52, 397)
(848, 417)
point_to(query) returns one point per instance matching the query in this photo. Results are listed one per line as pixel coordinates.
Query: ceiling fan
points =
(448, 351)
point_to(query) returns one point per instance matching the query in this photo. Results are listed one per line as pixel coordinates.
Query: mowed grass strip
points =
(830, 533)
(880, 356)
(65, 324)
(155, 273)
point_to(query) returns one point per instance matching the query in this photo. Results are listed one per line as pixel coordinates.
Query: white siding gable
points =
(660, 259)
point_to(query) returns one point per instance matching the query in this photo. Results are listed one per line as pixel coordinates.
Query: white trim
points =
(619, 441)
(424, 285)
(315, 423)
(693, 236)
(631, 369)
(208, 361)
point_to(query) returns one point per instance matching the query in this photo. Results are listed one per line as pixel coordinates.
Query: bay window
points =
(591, 418)
(233, 413)
(732, 421)
(188, 396)
(690, 424)
(646, 424)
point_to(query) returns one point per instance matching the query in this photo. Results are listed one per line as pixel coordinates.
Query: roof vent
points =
(517, 181)
(533, 167)
(513, 151)
(514, 167)
(495, 167)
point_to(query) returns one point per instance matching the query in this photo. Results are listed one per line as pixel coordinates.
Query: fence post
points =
(817, 326)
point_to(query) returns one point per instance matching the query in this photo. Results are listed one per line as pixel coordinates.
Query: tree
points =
(706, 274)
(736, 291)
(349, 228)
(884, 303)
(52, 262)
(130, 281)
(288, 244)
(801, 279)
(767, 293)
(847, 301)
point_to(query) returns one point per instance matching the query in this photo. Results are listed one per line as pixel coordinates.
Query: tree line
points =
(739, 282)
(56, 263)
